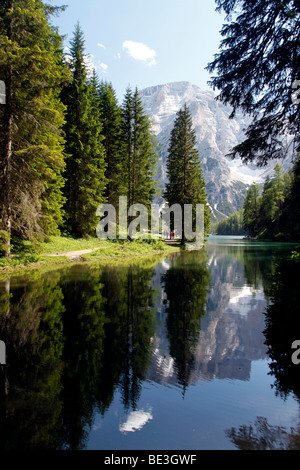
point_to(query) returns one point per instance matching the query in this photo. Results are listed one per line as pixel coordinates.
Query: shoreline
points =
(116, 253)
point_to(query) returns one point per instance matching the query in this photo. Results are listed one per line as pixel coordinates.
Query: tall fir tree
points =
(269, 215)
(275, 205)
(31, 142)
(279, 193)
(251, 210)
(186, 182)
(139, 152)
(292, 210)
(257, 71)
(110, 116)
(266, 210)
(85, 160)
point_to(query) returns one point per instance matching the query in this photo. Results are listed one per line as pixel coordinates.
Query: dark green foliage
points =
(186, 183)
(274, 214)
(4, 240)
(186, 291)
(231, 226)
(49, 181)
(273, 197)
(31, 326)
(256, 68)
(139, 152)
(31, 142)
(282, 324)
(110, 116)
(251, 210)
(73, 339)
(291, 210)
(85, 161)
(131, 326)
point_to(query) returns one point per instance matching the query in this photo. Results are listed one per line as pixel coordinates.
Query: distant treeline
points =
(231, 226)
(271, 212)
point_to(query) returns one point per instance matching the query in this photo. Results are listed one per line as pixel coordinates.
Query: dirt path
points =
(74, 254)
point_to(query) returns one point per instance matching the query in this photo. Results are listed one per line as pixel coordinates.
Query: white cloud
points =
(89, 63)
(101, 45)
(140, 51)
(88, 60)
(103, 66)
(136, 420)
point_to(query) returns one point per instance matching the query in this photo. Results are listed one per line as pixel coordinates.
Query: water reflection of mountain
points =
(75, 337)
(231, 335)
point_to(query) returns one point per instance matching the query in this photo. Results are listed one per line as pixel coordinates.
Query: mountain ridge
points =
(227, 180)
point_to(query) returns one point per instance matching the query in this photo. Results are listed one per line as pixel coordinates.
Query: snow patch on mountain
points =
(227, 180)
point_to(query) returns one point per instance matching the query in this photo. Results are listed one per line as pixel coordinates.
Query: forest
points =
(67, 145)
(270, 210)
(177, 350)
(257, 73)
(273, 212)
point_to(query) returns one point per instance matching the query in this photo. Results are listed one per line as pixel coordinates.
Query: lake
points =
(161, 353)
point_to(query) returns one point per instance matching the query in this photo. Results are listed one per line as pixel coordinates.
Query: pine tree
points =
(251, 210)
(85, 163)
(293, 203)
(231, 226)
(31, 143)
(279, 193)
(257, 69)
(274, 214)
(186, 183)
(127, 145)
(272, 203)
(110, 116)
(139, 152)
(266, 211)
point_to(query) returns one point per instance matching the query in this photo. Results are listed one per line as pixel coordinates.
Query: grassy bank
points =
(66, 250)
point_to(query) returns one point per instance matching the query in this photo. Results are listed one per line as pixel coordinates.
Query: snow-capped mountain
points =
(227, 181)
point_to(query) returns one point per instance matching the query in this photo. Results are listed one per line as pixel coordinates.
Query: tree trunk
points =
(6, 175)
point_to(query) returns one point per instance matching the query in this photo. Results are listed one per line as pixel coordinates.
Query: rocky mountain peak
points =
(227, 181)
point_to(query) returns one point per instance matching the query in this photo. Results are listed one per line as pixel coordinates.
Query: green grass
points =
(64, 244)
(110, 250)
(126, 248)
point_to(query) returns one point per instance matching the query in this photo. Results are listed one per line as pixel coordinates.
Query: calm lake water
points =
(167, 353)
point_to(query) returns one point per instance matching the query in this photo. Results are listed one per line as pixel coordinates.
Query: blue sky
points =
(145, 43)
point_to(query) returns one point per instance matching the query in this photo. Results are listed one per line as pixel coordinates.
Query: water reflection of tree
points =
(263, 436)
(83, 328)
(128, 334)
(283, 326)
(108, 326)
(72, 337)
(254, 263)
(31, 326)
(259, 264)
(186, 287)
(53, 330)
